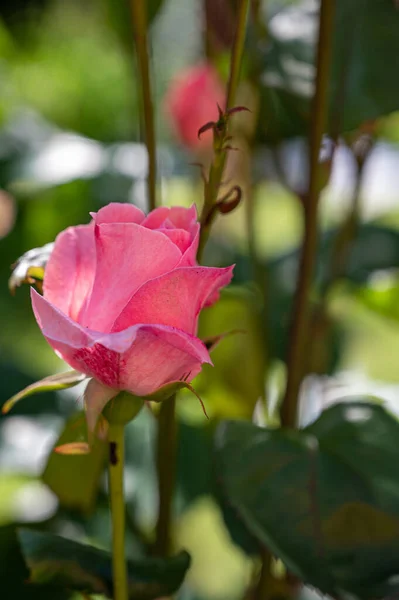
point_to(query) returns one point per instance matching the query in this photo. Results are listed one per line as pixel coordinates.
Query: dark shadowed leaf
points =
(364, 85)
(325, 499)
(14, 574)
(69, 564)
(76, 478)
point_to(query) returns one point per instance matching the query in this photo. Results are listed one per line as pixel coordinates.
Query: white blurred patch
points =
(26, 443)
(34, 502)
(66, 157)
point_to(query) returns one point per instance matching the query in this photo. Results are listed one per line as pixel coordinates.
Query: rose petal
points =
(161, 355)
(139, 359)
(70, 270)
(177, 217)
(183, 218)
(181, 238)
(189, 258)
(118, 212)
(127, 256)
(156, 217)
(174, 299)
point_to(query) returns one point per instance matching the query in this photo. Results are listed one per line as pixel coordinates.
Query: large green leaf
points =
(69, 564)
(364, 83)
(76, 479)
(325, 499)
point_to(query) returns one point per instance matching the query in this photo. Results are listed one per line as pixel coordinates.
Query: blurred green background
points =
(70, 142)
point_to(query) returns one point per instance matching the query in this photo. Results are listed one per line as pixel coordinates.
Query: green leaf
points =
(69, 564)
(75, 477)
(382, 300)
(233, 392)
(60, 381)
(325, 499)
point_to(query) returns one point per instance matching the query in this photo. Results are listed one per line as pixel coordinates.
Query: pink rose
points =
(191, 101)
(121, 300)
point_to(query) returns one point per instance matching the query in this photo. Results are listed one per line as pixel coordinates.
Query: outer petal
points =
(139, 359)
(161, 355)
(174, 299)
(118, 212)
(127, 256)
(70, 270)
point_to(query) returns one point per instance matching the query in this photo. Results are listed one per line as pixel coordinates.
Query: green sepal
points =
(123, 408)
(170, 389)
(60, 381)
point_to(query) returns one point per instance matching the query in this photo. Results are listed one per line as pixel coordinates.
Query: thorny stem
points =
(166, 468)
(167, 435)
(139, 18)
(301, 308)
(216, 170)
(116, 465)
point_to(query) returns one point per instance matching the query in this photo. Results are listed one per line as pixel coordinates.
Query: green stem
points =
(237, 53)
(166, 467)
(264, 589)
(139, 17)
(116, 464)
(301, 308)
(217, 167)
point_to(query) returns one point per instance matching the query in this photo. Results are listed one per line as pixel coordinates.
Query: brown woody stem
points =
(301, 308)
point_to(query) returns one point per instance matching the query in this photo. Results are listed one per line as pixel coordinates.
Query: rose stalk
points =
(120, 304)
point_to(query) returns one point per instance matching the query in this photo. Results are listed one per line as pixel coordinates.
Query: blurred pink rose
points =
(191, 101)
(121, 300)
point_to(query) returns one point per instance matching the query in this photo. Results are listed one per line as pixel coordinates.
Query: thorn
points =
(212, 342)
(206, 127)
(230, 201)
(237, 109)
(221, 112)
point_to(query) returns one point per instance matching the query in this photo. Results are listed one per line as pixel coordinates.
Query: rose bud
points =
(191, 101)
